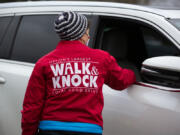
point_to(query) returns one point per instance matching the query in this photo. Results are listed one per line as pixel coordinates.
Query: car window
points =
(122, 39)
(35, 38)
(175, 22)
(131, 42)
(4, 22)
(156, 44)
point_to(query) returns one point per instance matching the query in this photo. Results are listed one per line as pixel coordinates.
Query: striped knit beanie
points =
(70, 25)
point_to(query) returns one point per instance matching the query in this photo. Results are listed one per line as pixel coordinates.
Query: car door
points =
(33, 37)
(140, 109)
(8, 97)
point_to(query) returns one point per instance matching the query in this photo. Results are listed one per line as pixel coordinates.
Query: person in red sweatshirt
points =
(64, 93)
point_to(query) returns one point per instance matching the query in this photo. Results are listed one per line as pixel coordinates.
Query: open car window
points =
(131, 42)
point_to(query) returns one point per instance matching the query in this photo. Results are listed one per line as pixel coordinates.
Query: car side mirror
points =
(163, 70)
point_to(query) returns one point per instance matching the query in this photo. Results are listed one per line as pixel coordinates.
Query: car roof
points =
(165, 12)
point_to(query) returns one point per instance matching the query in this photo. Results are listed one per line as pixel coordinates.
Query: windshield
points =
(175, 22)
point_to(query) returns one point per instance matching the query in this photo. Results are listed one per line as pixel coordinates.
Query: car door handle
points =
(2, 80)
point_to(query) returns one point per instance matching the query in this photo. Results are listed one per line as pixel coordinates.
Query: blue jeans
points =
(55, 132)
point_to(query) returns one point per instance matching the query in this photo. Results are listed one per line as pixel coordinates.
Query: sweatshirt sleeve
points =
(116, 77)
(33, 102)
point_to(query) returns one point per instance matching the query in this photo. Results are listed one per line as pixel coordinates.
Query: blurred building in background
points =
(161, 3)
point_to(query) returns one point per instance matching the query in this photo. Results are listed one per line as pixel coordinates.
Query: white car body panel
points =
(138, 110)
(145, 111)
(16, 75)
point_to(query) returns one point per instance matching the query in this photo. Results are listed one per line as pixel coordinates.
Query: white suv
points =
(146, 40)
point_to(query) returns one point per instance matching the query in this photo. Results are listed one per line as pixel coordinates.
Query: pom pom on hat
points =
(70, 25)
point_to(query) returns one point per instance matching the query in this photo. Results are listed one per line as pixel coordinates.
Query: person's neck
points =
(82, 41)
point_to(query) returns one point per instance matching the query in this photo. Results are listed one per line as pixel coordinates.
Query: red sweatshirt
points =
(66, 85)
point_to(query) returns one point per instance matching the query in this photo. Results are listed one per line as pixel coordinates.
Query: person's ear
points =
(82, 39)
